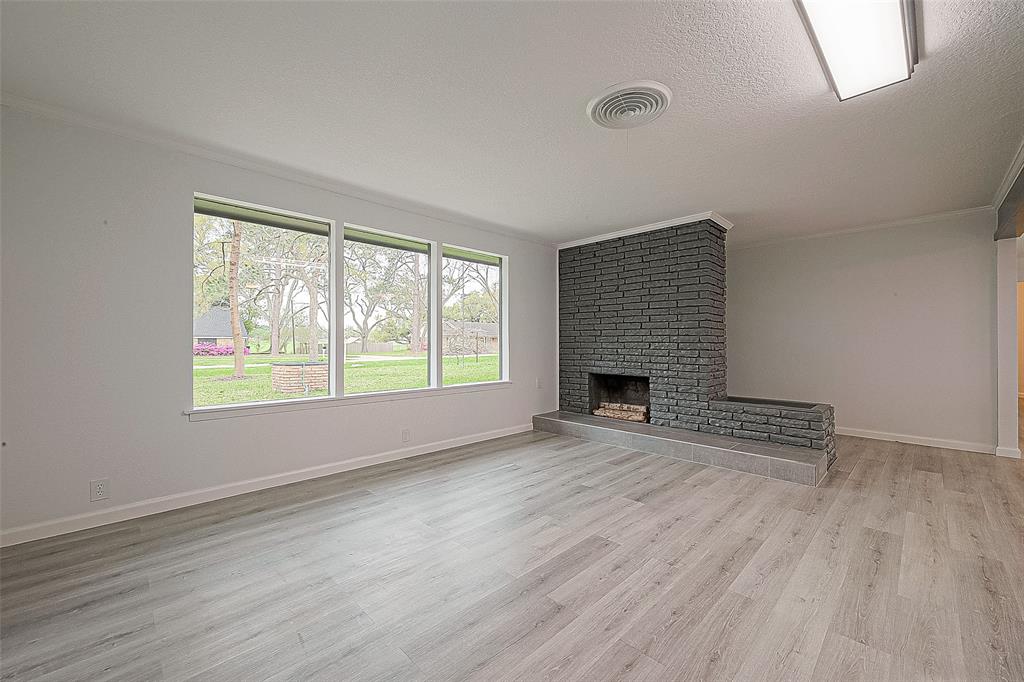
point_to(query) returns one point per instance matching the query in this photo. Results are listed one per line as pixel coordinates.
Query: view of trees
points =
(471, 294)
(261, 296)
(387, 289)
(385, 296)
(470, 291)
(271, 278)
(273, 281)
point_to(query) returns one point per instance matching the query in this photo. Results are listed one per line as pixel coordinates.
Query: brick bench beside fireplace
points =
(804, 425)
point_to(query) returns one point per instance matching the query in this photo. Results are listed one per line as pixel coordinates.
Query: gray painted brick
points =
(764, 428)
(803, 433)
(753, 435)
(789, 422)
(789, 440)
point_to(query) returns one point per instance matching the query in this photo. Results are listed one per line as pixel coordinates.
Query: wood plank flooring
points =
(545, 557)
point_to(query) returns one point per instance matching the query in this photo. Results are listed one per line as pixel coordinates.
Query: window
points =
(285, 307)
(387, 312)
(471, 316)
(261, 309)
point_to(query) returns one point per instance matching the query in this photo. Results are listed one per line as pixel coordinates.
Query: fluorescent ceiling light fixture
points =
(863, 45)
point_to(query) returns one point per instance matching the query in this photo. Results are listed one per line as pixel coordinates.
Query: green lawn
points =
(212, 386)
(207, 361)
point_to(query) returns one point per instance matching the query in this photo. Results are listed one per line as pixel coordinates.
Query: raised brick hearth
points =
(652, 305)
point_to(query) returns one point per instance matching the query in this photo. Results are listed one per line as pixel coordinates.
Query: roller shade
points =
(247, 214)
(355, 234)
(470, 256)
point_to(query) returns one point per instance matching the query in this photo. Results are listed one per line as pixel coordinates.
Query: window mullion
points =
(337, 335)
(435, 312)
(503, 337)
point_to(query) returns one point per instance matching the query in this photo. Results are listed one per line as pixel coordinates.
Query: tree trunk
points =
(415, 340)
(314, 312)
(236, 319)
(276, 300)
(275, 325)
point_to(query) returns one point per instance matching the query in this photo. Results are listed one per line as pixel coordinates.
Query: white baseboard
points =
(986, 448)
(133, 510)
(1013, 453)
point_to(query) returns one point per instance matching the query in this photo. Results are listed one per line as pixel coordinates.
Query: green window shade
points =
(245, 214)
(355, 234)
(471, 256)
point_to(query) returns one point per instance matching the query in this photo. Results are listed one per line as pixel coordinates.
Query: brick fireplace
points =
(652, 306)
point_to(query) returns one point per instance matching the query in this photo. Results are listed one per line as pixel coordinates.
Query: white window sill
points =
(200, 414)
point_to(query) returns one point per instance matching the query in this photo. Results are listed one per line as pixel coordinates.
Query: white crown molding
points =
(1011, 176)
(906, 222)
(707, 215)
(267, 167)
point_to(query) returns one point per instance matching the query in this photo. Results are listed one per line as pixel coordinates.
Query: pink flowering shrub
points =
(210, 349)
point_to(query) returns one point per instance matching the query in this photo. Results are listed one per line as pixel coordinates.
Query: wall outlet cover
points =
(99, 489)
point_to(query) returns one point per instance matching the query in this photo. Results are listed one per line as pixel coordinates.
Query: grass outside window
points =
(211, 387)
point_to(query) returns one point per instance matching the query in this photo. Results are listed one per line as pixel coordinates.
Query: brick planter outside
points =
(299, 377)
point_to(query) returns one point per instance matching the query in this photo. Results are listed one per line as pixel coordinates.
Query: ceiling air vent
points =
(629, 105)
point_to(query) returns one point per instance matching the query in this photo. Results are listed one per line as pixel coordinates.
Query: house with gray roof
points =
(214, 327)
(470, 337)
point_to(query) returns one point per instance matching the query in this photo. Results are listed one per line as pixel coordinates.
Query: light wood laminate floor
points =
(539, 556)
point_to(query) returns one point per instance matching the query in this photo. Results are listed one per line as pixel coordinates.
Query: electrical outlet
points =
(99, 489)
(405, 435)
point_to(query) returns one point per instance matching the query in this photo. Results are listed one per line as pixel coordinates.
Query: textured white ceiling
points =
(478, 108)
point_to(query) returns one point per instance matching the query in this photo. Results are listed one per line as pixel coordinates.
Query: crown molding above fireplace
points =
(707, 215)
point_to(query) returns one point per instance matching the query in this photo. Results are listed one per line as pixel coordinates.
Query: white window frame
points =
(332, 289)
(336, 279)
(432, 248)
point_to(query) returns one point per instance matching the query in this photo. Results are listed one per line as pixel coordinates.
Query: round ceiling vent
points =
(629, 105)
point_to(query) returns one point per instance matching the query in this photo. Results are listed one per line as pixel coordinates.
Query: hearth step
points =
(806, 466)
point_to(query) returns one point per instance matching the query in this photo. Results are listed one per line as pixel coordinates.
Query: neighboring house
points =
(471, 337)
(355, 347)
(214, 327)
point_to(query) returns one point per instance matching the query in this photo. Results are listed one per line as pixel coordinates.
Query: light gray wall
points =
(895, 327)
(97, 309)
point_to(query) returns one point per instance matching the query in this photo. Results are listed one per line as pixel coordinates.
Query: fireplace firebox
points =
(620, 397)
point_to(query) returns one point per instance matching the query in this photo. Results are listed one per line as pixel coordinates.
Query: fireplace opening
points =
(620, 397)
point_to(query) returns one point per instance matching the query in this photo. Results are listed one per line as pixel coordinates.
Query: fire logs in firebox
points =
(625, 411)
